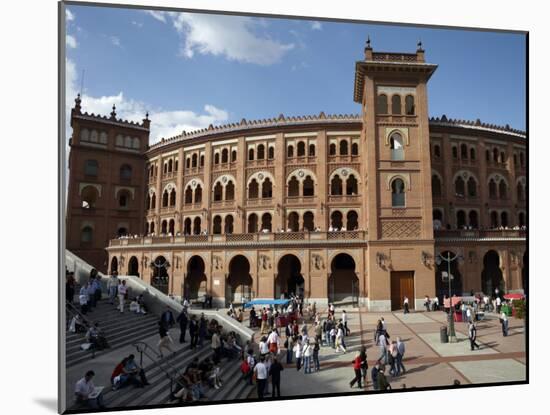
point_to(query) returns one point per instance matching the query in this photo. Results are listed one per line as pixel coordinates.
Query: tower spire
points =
(368, 50)
(113, 113)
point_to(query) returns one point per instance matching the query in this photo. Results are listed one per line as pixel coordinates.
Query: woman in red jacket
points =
(357, 369)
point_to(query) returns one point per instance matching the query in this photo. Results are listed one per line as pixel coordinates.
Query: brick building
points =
(344, 208)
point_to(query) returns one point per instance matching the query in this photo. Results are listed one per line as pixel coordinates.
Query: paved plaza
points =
(428, 362)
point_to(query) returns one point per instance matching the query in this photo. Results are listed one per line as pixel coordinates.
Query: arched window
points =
(250, 154)
(217, 158)
(123, 199)
(89, 196)
(436, 186)
(502, 157)
(463, 152)
(261, 152)
(472, 187)
(351, 185)
(460, 187)
(308, 186)
(521, 159)
(409, 105)
(520, 192)
(165, 168)
(217, 228)
(293, 187)
(218, 192)
(198, 194)
(188, 163)
(487, 155)
(396, 105)
(194, 160)
(290, 151)
(171, 226)
(230, 191)
(228, 228)
(472, 216)
(202, 160)
(188, 195)
(253, 223)
(271, 153)
(266, 222)
(494, 219)
(152, 227)
(301, 149)
(233, 156)
(343, 147)
(382, 104)
(492, 189)
(165, 199)
(170, 165)
(398, 193)
(355, 149)
(437, 151)
(125, 172)
(187, 226)
(91, 168)
(253, 189)
(495, 155)
(197, 225)
(396, 147)
(503, 190)
(153, 201)
(521, 219)
(176, 165)
(336, 220)
(455, 153)
(336, 186)
(352, 221)
(173, 197)
(225, 155)
(148, 201)
(87, 234)
(293, 222)
(267, 189)
(309, 221)
(472, 154)
(164, 227)
(312, 150)
(504, 219)
(332, 149)
(460, 219)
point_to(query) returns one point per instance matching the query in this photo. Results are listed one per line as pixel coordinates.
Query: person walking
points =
(383, 383)
(183, 321)
(261, 377)
(307, 354)
(374, 375)
(383, 347)
(406, 305)
(122, 291)
(193, 331)
(112, 285)
(316, 363)
(392, 358)
(165, 341)
(298, 353)
(357, 370)
(468, 314)
(472, 335)
(347, 331)
(401, 353)
(202, 329)
(364, 364)
(504, 323)
(289, 344)
(275, 373)
(340, 339)
(463, 310)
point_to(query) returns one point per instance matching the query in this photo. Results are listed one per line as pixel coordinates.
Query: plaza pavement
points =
(428, 362)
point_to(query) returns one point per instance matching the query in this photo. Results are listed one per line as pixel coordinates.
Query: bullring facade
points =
(344, 208)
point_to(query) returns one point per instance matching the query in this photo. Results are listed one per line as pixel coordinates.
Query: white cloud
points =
(236, 38)
(115, 41)
(316, 25)
(163, 123)
(71, 42)
(69, 16)
(138, 24)
(160, 16)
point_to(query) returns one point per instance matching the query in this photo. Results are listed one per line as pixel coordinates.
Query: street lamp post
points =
(451, 324)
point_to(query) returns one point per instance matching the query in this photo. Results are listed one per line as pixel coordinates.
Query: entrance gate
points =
(402, 285)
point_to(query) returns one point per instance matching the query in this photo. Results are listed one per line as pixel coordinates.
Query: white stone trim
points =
(344, 133)
(221, 143)
(298, 135)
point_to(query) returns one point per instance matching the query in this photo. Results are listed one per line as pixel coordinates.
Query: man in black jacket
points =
(183, 320)
(275, 372)
(193, 332)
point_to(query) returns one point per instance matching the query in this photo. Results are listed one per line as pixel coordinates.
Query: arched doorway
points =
(238, 287)
(491, 276)
(160, 278)
(195, 279)
(114, 264)
(343, 284)
(442, 285)
(133, 267)
(289, 277)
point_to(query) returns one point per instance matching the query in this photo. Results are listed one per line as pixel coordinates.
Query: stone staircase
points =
(158, 390)
(119, 329)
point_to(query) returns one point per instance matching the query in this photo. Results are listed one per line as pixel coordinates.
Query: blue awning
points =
(266, 301)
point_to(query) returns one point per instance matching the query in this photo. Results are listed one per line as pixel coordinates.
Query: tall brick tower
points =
(106, 183)
(392, 89)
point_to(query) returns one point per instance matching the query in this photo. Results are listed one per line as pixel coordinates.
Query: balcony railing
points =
(263, 238)
(481, 234)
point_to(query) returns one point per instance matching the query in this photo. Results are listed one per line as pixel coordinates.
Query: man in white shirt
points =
(273, 342)
(498, 304)
(122, 290)
(85, 392)
(504, 323)
(468, 314)
(261, 377)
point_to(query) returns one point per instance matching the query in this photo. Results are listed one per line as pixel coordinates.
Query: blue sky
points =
(190, 70)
